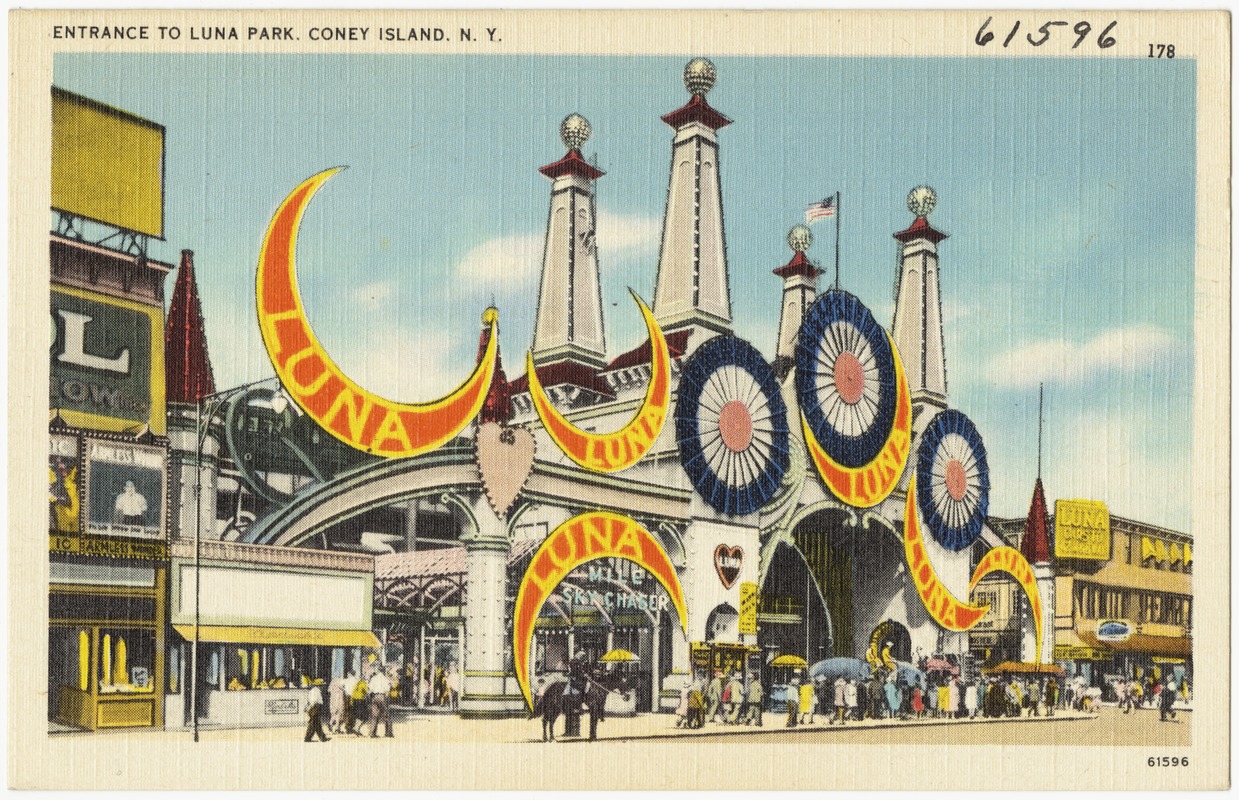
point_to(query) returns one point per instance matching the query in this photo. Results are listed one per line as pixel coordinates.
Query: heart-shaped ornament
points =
(505, 460)
(727, 561)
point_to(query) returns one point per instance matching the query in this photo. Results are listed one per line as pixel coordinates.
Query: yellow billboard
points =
(107, 164)
(1081, 529)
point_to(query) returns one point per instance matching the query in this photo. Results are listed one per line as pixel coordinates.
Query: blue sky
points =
(1067, 185)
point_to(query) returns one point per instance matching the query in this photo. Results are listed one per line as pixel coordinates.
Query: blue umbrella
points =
(908, 675)
(831, 669)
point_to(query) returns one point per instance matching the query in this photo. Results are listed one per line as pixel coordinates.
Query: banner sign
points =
(748, 607)
(946, 609)
(347, 411)
(583, 538)
(101, 360)
(1113, 630)
(1012, 562)
(1082, 529)
(1063, 652)
(107, 546)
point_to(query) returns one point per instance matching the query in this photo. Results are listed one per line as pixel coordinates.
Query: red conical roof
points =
(187, 365)
(498, 404)
(1036, 543)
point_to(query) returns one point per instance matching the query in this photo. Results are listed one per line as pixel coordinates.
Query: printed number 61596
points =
(1167, 761)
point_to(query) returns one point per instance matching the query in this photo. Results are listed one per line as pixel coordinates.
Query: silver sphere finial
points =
(921, 200)
(800, 238)
(574, 131)
(699, 76)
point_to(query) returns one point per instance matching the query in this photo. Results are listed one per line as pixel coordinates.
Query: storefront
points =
(270, 621)
(108, 566)
(607, 605)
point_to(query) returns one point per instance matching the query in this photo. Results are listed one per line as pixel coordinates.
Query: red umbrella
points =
(941, 665)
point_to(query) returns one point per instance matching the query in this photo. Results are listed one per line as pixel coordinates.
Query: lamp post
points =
(213, 403)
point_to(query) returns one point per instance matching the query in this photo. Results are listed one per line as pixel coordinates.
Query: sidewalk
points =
(445, 728)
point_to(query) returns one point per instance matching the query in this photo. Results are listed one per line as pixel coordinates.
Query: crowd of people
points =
(884, 695)
(359, 704)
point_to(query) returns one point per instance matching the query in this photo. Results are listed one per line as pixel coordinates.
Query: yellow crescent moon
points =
(611, 452)
(344, 409)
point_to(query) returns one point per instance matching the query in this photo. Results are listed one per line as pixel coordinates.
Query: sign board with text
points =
(1082, 530)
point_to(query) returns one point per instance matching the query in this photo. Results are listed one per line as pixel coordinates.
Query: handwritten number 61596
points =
(1042, 35)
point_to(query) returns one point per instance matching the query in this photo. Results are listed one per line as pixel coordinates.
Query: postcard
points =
(702, 400)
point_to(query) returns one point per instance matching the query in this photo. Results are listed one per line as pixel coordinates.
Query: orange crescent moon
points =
(353, 415)
(946, 609)
(611, 452)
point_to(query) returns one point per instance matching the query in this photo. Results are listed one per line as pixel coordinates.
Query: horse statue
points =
(554, 703)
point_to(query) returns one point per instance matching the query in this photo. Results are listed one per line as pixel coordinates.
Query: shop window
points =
(127, 661)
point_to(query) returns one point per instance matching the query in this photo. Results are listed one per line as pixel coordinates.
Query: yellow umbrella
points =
(789, 660)
(619, 656)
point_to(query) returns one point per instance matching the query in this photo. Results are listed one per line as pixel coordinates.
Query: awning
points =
(1174, 646)
(1069, 646)
(246, 634)
(1124, 576)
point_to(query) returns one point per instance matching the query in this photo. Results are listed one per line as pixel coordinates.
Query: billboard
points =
(1082, 530)
(106, 361)
(125, 489)
(107, 164)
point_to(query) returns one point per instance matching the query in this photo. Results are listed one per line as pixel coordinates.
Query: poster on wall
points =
(681, 384)
(124, 489)
(63, 497)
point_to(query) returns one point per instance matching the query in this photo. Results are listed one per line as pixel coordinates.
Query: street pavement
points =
(1108, 726)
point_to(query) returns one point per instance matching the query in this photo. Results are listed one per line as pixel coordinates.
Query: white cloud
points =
(506, 260)
(407, 367)
(622, 233)
(516, 259)
(1124, 349)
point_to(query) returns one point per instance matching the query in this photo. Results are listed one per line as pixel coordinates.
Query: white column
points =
(484, 693)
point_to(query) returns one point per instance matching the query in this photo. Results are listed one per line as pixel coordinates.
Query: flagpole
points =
(838, 213)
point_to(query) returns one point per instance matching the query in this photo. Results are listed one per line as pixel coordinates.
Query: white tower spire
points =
(692, 285)
(799, 291)
(569, 321)
(918, 306)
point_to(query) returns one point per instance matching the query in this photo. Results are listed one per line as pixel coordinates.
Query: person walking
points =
(1166, 699)
(841, 708)
(733, 699)
(808, 702)
(350, 703)
(1034, 699)
(452, 681)
(970, 700)
(714, 696)
(1051, 697)
(793, 703)
(380, 688)
(337, 701)
(952, 698)
(825, 694)
(893, 698)
(918, 701)
(755, 700)
(982, 687)
(851, 694)
(314, 712)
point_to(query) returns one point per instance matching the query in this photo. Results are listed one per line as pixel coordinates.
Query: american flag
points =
(820, 210)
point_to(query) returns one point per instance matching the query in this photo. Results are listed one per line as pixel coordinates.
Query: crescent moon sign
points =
(611, 452)
(865, 487)
(344, 409)
(946, 609)
(589, 536)
(1012, 562)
